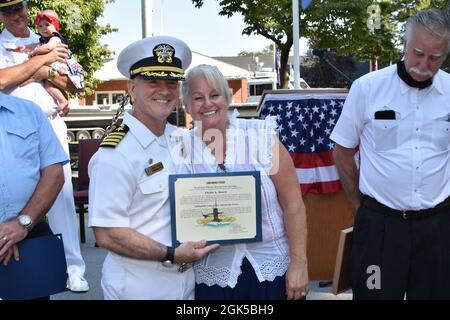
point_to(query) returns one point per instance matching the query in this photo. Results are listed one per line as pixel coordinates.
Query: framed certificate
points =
(218, 207)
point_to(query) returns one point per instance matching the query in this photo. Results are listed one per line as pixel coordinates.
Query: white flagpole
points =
(147, 18)
(295, 26)
(162, 17)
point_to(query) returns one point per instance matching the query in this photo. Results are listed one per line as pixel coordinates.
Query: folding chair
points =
(86, 150)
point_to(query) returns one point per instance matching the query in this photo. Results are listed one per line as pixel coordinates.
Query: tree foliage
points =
(317, 73)
(340, 24)
(267, 51)
(346, 25)
(78, 20)
(269, 18)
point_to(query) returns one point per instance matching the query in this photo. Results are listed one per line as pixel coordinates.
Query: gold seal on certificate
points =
(218, 207)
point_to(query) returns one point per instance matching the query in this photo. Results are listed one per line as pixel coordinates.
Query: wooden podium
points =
(327, 215)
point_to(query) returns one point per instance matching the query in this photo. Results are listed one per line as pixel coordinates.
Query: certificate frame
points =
(192, 221)
(341, 277)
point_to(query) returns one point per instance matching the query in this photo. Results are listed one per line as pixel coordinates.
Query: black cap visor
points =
(13, 7)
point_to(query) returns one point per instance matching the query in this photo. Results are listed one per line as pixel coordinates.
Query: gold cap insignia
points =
(164, 53)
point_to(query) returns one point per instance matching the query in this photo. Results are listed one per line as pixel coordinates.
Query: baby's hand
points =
(22, 48)
(31, 54)
(63, 107)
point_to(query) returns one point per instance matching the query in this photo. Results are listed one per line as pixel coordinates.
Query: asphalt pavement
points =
(94, 257)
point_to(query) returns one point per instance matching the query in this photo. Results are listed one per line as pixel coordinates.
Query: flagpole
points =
(147, 18)
(296, 34)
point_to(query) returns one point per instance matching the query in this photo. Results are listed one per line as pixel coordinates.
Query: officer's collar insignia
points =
(114, 138)
(177, 138)
(154, 168)
(163, 53)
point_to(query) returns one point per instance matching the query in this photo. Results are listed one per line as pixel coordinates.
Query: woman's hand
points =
(297, 286)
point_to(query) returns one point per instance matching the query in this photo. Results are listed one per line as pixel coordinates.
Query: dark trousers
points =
(39, 230)
(413, 256)
(248, 287)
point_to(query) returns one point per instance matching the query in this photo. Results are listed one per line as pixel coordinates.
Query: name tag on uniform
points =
(154, 168)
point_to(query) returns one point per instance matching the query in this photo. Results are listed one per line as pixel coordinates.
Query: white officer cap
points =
(159, 57)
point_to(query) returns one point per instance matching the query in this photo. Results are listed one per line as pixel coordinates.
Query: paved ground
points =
(94, 260)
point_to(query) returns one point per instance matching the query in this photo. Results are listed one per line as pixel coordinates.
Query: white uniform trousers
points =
(62, 216)
(131, 279)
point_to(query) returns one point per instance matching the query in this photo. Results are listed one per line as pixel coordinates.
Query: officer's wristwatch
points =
(25, 221)
(169, 258)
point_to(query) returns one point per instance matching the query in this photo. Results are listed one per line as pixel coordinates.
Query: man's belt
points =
(373, 204)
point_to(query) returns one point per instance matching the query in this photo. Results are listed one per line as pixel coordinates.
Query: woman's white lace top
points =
(249, 148)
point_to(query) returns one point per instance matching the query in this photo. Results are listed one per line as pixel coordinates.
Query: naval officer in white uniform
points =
(128, 192)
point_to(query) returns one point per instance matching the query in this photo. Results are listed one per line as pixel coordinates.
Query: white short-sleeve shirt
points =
(121, 194)
(33, 91)
(404, 161)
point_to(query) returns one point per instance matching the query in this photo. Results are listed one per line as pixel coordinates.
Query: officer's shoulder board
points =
(114, 137)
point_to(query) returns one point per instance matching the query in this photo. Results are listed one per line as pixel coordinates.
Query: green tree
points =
(78, 20)
(369, 29)
(362, 28)
(267, 51)
(269, 18)
(340, 24)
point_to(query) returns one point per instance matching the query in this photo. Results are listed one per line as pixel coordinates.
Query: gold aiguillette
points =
(183, 267)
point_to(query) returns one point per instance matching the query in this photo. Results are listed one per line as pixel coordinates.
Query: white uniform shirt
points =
(121, 194)
(34, 91)
(250, 139)
(404, 162)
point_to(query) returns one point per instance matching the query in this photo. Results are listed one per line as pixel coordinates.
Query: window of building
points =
(258, 89)
(110, 97)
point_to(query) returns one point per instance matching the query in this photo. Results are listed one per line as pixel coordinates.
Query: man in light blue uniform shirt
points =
(31, 175)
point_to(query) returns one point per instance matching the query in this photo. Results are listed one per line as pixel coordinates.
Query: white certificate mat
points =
(217, 207)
